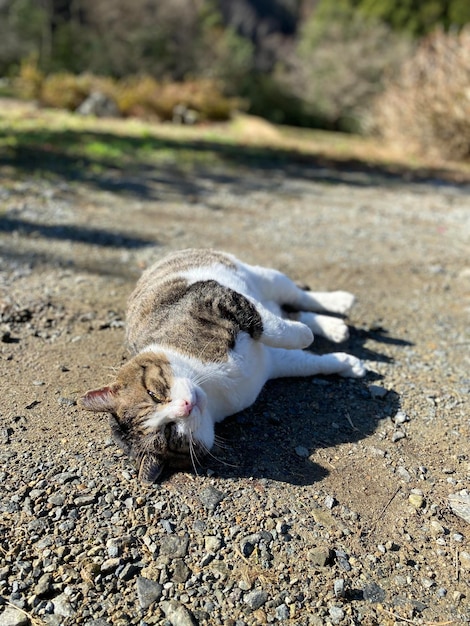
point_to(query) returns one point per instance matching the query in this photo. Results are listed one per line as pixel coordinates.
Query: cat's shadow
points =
(294, 419)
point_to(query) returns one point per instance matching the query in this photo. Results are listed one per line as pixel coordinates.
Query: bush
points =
(426, 108)
(339, 62)
(143, 96)
(67, 91)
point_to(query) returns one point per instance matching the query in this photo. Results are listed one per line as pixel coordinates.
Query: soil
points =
(360, 469)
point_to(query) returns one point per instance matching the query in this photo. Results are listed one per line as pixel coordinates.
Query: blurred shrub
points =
(142, 96)
(339, 62)
(145, 97)
(67, 91)
(426, 108)
(30, 78)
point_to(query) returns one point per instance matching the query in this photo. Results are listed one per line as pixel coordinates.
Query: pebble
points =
(282, 612)
(336, 614)
(256, 598)
(211, 497)
(148, 591)
(397, 435)
(319, 556)
(174, 546)
(302, 452)
(177, 614)
(464, 558)
(376, 391)
(339, 587)
(373, 593)
(416, 500)
(460, 504)
(13, 617)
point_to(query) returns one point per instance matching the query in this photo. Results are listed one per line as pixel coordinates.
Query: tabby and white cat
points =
(208, 331)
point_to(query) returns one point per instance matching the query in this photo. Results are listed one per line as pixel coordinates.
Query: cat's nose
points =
(186, 408)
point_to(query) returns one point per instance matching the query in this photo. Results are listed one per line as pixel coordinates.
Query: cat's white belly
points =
(236, 383)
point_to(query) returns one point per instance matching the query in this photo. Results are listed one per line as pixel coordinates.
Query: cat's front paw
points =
(332, 328)
(352, 367)
(341, 302)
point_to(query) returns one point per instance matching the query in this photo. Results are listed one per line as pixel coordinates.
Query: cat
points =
(207, 332)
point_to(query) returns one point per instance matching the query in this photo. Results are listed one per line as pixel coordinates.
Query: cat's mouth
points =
(168, 447)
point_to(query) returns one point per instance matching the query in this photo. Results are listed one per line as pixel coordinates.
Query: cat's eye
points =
(155, 397)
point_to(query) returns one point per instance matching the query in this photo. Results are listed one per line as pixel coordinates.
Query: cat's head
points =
(158, 418)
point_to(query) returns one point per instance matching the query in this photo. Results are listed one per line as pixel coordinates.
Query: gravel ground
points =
(328, 503)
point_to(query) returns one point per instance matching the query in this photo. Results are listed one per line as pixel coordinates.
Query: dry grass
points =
(425, 110)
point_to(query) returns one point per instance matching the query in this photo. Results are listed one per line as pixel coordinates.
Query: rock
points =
(464, 559)
(376, 391)
(282, 612)
(460, 504)
(336, 614)
(43, 585)
(177, 614)
(211, 497)
(397, 435)
(339, 587)
(416, 500)
(174, 546)
(373, 593)
(323, 518)
(12, 616)
(302, 452)
(248, 543)
(148, 591)
(319, 556)
(62, 606)
(401, 417)
(436, 529)
(256, 598)
(213, 544)
(343, 561)
(330, 502)
(99, 105)
(181, 571)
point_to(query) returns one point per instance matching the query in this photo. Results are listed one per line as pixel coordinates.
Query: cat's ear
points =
(150, 468)
(102, 400)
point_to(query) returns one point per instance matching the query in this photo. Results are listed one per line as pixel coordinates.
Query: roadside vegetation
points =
(396, 70)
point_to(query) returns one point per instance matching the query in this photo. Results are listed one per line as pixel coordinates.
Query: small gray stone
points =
(43, 585)
(62, 606)
(12, 616)
(401, 417)
(397, 435)
(319, 556)
(282, 612)
(177, 614)
(376, 391)
(460, 504)
(336, 614)
(464, 558)
(302, 452)
(211, 497)
(148, 591)
(339, 587)
(174, 546)
(181, 572)
(373, 593)
(256, 598)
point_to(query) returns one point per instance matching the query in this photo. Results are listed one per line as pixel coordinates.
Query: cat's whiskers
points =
(208, 452)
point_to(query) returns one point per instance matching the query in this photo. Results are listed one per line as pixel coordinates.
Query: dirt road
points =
(329, 502)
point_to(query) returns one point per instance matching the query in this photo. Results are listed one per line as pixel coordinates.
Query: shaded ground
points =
(334, 461)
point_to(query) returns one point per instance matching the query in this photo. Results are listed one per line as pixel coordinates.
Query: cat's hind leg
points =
(276, 286)
(287, 363)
